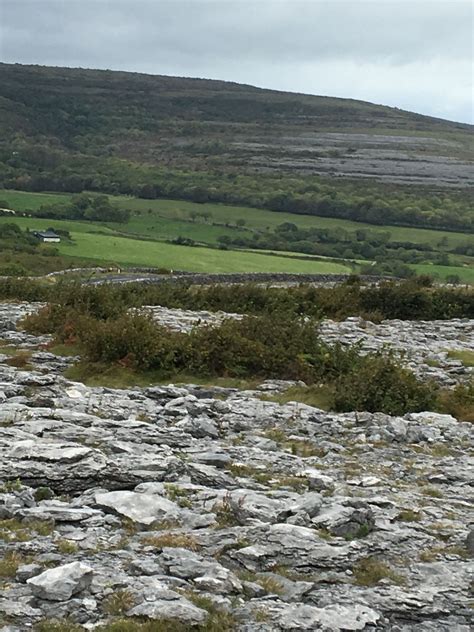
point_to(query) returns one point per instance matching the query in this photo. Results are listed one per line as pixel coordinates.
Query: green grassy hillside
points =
(140, 240)
(162, 219)
(88, 244)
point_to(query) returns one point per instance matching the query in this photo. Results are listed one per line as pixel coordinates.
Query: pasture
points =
(138, 242)
(169, 218)
(133, 252)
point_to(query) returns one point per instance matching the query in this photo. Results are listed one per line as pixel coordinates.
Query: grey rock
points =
(336, 617)
(470, 541)
(144, 509)
(217, 459)
(249, 506)
(26, 571)
(61, 583)
(172, 454)
(180, 609)
(208, 576)
(346, 521)
(59, 512)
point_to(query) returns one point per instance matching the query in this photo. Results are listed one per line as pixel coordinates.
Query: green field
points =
(98, 243)
(126, 251)
(465, 274)
(171, 217)
(261, 219)
(155, 220)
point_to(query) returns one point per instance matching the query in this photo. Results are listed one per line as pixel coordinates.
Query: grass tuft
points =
(173, 540)
(369, 571)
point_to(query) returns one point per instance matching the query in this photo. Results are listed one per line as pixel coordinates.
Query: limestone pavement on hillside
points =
(170, 501)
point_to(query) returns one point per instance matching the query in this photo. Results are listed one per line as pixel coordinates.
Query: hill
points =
(68, 129)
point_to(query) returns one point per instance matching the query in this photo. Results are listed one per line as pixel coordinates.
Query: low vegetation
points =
(119, 602)
(465, 357)
(266, 347)
(9, 564)
(414, 299)
(279, 339)
(369, 571)
(176, 540)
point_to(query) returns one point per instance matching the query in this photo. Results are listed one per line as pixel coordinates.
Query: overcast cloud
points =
(413, 54)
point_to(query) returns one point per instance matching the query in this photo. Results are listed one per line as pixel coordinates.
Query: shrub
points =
(458, 401)
(377, 383)
(410, 300)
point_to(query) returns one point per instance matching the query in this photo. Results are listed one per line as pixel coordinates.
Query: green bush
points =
(408, 300)
(269, 346)
(377, 383)
(458, 401)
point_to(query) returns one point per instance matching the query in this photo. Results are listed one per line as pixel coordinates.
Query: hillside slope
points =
(196, 122)
(64, 129)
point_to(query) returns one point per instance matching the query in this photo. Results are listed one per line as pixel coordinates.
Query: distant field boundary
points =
(191, 278)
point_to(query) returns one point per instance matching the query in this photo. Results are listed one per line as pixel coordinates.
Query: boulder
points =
(61, 583)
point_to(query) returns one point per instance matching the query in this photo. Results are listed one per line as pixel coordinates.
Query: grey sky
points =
(413, 54)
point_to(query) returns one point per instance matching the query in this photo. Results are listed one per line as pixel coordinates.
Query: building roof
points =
(45, 233)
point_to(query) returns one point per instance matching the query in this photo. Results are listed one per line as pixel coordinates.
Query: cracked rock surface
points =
(286, 516)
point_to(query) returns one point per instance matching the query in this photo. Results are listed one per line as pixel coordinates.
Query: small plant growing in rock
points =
(304, 448)
(179, 495)
(369, 571)
(432, 492)
(261, 615)
(243, 470)
(361, 532)
(118, 603)
(225, 513)
(20, 360)
(408, 515)
(11, 486)
(296, 483)
(219, 620)
(325, 534)
(130, 527)
(9, 564)
(43, 493)
(13, 530)
(66, 546)
(432, 554)
(441, 450)
(41, 527)
(166, 525)
(174, 540)
(271, 585)
(276, 434)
